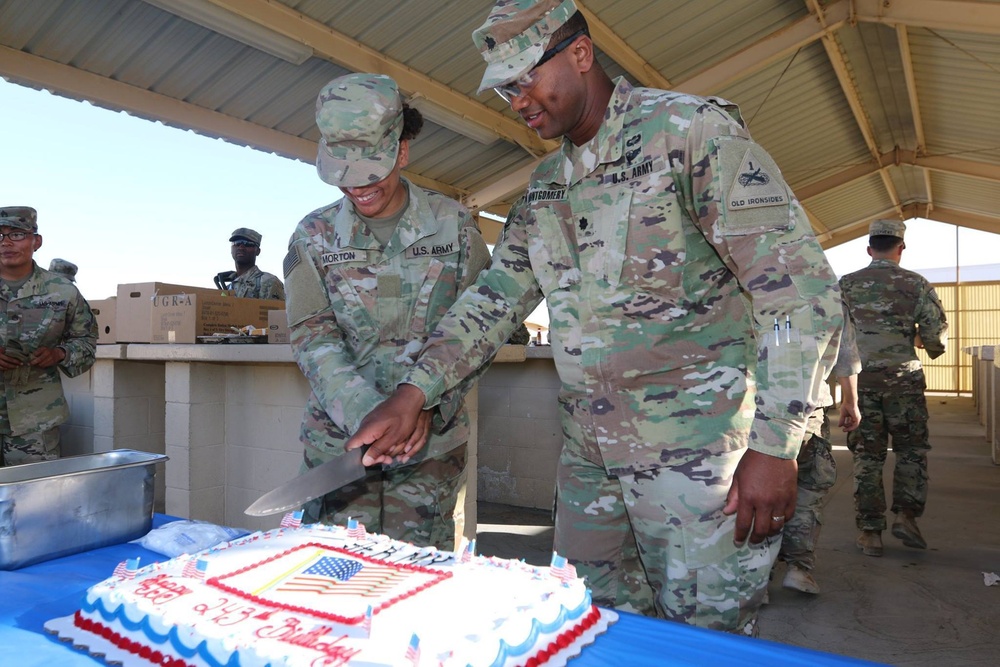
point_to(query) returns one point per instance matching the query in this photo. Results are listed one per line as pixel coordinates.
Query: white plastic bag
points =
(187, 537)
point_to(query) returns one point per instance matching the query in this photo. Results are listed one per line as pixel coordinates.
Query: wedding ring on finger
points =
(777, 518)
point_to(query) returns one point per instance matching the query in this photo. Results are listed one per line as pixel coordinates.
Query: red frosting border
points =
(144, 651)
(560, 643)
(565, 638)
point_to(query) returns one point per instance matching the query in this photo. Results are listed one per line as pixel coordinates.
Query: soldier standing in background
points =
(64, 267)
(692, 316)
(818, 469)
(895, 311)
(368, 279)
(45, 326)
(247, 280)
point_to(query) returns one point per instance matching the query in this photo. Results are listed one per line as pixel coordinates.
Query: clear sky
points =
(129, 200)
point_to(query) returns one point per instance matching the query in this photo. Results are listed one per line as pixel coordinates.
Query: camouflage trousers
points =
(657, 542)
(30, 447)
(904, 417)
(421, 503)
(817, 474)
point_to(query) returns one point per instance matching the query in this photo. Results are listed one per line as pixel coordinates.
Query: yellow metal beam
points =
(623, 54)
(355, 56)
(982, 18)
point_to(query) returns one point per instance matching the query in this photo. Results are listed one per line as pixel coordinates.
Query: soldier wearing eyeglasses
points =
(45, 326)
(247, 280)
(692, 316)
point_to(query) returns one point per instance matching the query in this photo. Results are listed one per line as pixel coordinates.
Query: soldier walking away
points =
(818, 469)
(247, 280)
(45, 326)
(895, 311)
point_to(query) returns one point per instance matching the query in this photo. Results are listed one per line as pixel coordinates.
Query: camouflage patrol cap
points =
(515, 36)
(246, 233)
(887, 228)
(19, 217)
(361, 119)
(64, 267)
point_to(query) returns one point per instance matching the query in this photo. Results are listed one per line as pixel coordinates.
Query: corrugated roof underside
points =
(680, 39)
(958, 77)
(772, 101)
(847, 204)
(962, 193)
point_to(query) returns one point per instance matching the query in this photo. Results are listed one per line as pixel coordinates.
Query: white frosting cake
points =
(314, 596)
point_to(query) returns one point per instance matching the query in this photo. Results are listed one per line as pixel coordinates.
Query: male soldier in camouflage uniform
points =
(818, 469)
(895, 311)
(64, 267)
(247, 280)
(45, 326)
(691, 316)
(368, 279)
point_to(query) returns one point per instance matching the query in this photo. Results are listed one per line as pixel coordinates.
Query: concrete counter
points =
(228, 416)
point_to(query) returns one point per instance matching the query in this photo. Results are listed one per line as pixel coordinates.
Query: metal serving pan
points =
(56, 508)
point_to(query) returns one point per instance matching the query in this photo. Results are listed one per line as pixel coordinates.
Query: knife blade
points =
(313, 483)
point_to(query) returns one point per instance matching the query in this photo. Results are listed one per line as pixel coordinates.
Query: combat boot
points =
(870, 542)
(800, 579)
(905, 528)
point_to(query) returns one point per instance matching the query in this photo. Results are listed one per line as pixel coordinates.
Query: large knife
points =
(313, 483)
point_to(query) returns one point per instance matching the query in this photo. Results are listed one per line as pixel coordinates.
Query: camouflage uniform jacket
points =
(47, 311)
(664, 271)
(891, 306)
(256, 284)
(358, 314)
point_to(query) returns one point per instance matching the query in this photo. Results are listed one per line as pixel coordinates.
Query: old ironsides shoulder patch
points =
(755, 195)
(755, 183)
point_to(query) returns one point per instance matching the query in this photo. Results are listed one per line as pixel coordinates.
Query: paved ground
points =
(910, 607)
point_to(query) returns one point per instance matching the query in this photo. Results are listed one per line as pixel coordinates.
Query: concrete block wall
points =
(195, 440)
(228, 418)
(520, 436)
(264, 407)
(263, 415)
(76, 436)
(128, 412)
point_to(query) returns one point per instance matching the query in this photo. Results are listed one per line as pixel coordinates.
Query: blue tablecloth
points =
(31, 596)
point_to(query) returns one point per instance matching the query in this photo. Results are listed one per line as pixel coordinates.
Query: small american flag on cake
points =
(126, 569)
(413, 651)
(356, 530)
(562, 569)
(195, 568)
(292, 519)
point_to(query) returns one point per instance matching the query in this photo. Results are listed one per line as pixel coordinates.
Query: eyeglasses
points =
(15, 236)
(244, 244)
(529, 79)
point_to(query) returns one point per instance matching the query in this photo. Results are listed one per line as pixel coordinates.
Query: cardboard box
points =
(277, 326)
(181, 318)
(104, 311)
(135, 303)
